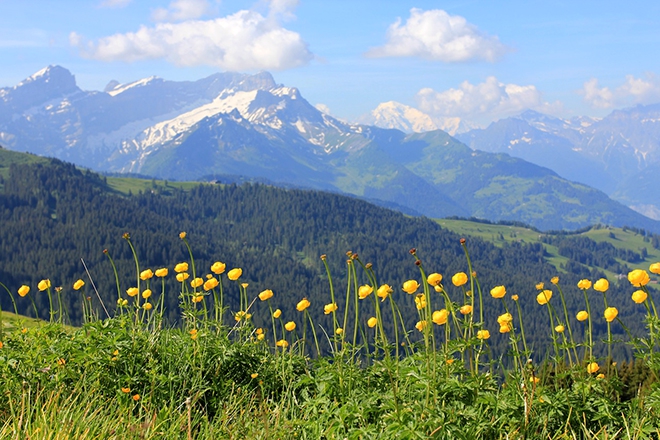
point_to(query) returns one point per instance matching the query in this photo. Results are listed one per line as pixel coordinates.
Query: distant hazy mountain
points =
(618, 154)
(237, 124)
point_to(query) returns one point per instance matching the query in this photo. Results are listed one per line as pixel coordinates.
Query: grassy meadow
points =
(125, 374)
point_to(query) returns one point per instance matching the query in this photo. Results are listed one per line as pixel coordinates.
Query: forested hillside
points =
(53, 215)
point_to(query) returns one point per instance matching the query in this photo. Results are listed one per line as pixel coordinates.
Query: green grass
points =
(126, 185)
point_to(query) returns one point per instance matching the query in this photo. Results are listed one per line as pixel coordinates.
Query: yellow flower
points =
(125, 390)
(434, 279)
(196, 282)
(136, 397)
(420, 301)
(181, 267)
(277, 313)
(146, 293)
(371, 322)
(244, 285)
(211, 283)
(421, 325)
(601, 285)
(182, 235)
(498, 292)
(146, 274)
(282, 343)
(261, 337)
(254, 375)
(560, 328)
(235, 273)
(638, 278)
(193, 334)
(218, 267)
(439, 317)
(459, 279)
(483, 334)
(514, 297)
(384, 291)
(534, 380)
(505, 318)
(132, 291)
(639, 296)
(592, 367)
(266, 295)
(259, 331)
(23, 290)
(655, 268)
(181, 277)
(540, 286)
(600, 376)
(543, 297)
(197, 297)
(147, 306)
(584, 284)
(610, 314)
(329, 308)
(162, 272)
(506, 328)
(450, 361)
(302, 304)
(554, 280)
(466, 309)
(410, 286)
(364, 291)
(43, 285)
(339, 330)
(78, 285)
(582, 315)
(290, 326)
(241, 315)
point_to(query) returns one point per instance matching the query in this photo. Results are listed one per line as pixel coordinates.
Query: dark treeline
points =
(53, 215)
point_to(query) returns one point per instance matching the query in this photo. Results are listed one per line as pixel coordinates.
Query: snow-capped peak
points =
(120, 88)
(402, 117)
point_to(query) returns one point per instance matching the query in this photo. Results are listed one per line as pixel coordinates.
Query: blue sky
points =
(477, 60)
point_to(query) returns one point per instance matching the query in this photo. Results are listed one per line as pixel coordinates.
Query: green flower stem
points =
(568, 322)
(332, 300)
(13, 301)
(522, 329)
(591, 342)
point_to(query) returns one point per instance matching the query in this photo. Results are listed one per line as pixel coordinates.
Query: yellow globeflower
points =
(610, 314)
(514, 297)
(218, 267)
(266, 295)
(197, 297)
(302, 304)
(543, 297)
(420, 301)
(421, 325)
(601, 285)
(434, 279)
(125, 390)
(554, 280)
(592, 368)
(78, 285)
(466, 309)
(196, 282)
(182, 235)
(540, 286)
(147, 306)
(329, 308)
(181, 277)
(655, 268)
(277, 313)
(560, 328)
(43, 285)
(410, 286)
(241, 315)
(439, 317)
(639, 296)
(193, 334)
(339, 330)
(384, 291)
(504, 318)
(506, 328)
(498, 292)
(290, 326)
(282, 343)
(181, 267)
(235, 273)
(459, 279)
(23, 290)
(483, 334)
(211, 283)
(146, 293)
(584, 284)
(132, 291)
(146, 274)
(364, 291)
(162, 272)
(582, 315)
(638, 278)
(371, 322)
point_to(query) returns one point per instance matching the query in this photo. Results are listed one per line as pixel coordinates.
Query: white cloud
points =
(436, 35)
(484, 102)
(180, 10)
(114, 3)
(632, 91)
(245, 40)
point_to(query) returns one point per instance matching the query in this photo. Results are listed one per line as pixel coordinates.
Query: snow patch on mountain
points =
(121, 88)
(395, 115)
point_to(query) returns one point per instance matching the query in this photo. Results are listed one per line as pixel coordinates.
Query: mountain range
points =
(248, 125)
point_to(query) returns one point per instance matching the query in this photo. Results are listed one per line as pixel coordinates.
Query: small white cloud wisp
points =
(437, 35)
(632, 91)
